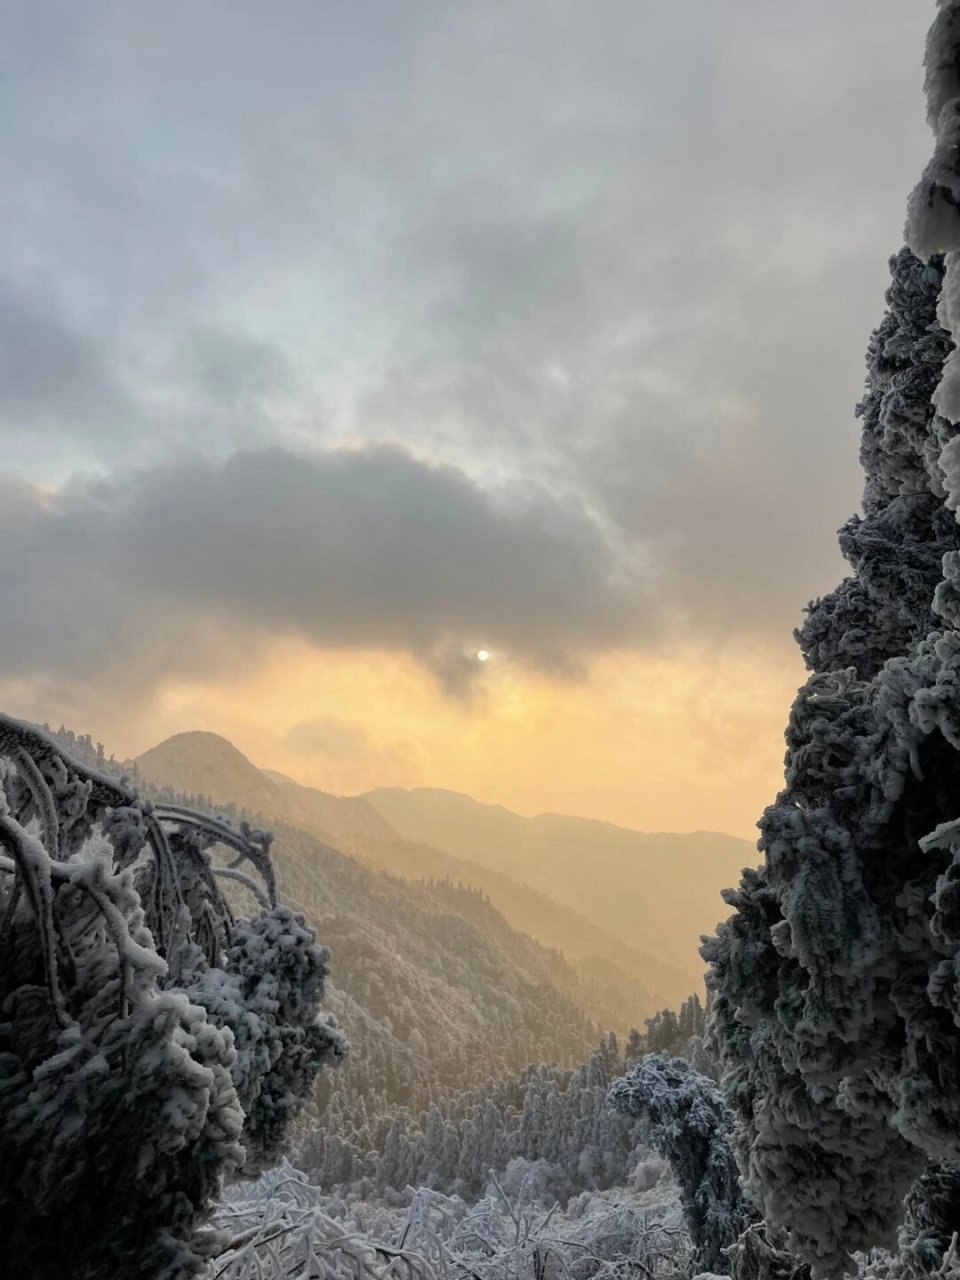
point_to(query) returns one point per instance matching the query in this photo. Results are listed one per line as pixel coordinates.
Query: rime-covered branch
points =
(152, 1040)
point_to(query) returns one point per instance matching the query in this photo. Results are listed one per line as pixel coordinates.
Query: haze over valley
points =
(608, 898)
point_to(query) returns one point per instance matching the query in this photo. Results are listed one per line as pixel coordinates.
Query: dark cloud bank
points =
(622, 255)
(189, 568)
(150, 571)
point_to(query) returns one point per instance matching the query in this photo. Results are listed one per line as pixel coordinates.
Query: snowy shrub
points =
(690, 1127)
(836, 982)
(150, 1042)
(284, 1227)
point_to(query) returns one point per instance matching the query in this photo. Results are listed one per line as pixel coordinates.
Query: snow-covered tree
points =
(896, 547)
(836, 983)
(933, 1211)
(690, 1126)
(151, 1041)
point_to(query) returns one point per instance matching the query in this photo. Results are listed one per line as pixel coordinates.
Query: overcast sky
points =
(384, 332)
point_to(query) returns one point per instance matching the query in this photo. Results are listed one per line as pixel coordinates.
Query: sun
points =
(482, 655)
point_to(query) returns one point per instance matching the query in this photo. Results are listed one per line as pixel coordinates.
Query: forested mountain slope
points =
(431, 985)
(642, 980)
(656, 891)
(627, 984)
(205, 764)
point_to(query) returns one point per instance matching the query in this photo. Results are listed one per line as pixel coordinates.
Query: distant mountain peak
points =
(202, 738)
(201, 763)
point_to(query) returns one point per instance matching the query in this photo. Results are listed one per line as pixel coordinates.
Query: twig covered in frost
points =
(151, 1041)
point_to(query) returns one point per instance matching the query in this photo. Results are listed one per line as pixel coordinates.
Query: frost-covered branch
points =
(611, 1236)
(151, 1040)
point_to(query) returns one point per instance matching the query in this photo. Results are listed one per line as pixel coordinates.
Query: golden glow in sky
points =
(678, 742)
(402, 353)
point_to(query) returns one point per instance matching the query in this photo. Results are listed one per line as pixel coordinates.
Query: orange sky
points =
(384, 344)
(659, 743)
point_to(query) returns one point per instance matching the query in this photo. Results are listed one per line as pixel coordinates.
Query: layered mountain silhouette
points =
(435, 990)
(547, 877)
(655, 891)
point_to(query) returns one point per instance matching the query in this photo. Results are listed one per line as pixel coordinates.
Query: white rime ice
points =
(933, 212)
(150, 1042)
(286, 1227)
(836, 982)
(690, 1127)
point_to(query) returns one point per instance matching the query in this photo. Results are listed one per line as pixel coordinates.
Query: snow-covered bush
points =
(283, 1226)
(690, 1126)
(150, 1041)
(837, 980)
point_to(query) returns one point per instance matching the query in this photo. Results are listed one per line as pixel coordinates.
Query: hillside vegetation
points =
(656, 891)
(628, 982)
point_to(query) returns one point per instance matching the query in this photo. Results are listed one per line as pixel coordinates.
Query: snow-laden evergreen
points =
(837, 981)
(933, 212)
(834, 1011)
(896, 547)
(152, 1041)
(690, 1126)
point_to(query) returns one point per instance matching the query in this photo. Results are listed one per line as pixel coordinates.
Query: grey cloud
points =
(53, 377)
(186, 568)
(681, 337)
(630, 253)
(220, 391)
(229, 366)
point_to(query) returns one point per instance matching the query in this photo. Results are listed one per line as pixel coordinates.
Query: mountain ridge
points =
(432, 986)
(535, 817)
(657, 891)
(631, 981)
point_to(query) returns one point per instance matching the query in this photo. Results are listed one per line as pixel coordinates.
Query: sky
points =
(342, 341)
